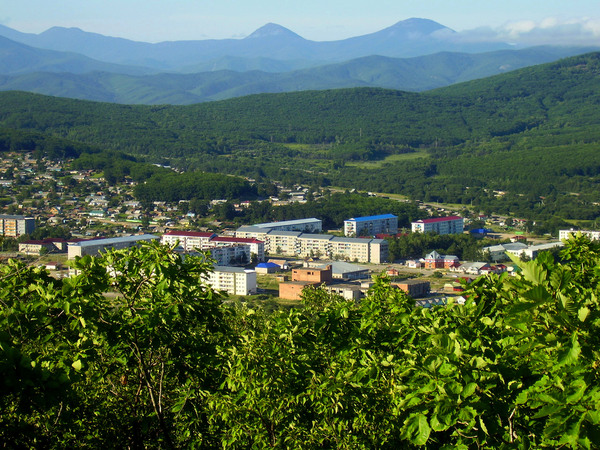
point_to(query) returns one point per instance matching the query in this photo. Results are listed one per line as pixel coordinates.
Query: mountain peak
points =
(273, 30)
(417, 25)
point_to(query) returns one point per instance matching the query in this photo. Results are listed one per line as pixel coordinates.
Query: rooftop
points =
(287, 222)
(117, 240)
(439, 219)
(368, 218)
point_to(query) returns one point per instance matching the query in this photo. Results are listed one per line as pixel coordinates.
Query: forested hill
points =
(451, 144)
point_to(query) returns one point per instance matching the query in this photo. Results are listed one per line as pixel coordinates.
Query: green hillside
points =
(532, 134)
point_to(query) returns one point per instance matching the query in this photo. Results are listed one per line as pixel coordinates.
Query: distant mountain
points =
(408, 38)
(410, 74)
(17, 58)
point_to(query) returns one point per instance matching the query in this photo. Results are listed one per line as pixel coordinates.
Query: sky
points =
(525, 21)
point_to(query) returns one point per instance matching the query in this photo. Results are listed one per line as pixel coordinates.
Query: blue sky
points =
(533, 21)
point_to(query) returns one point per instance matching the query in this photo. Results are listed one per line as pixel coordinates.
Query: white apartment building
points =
(256, 246)
(282, 242)
(230, 254)
(440, 225)
(371, 225)
(188, 240)
(314, 245)
(566, 234)
(379, 251)
(352, 249)
(233, 280)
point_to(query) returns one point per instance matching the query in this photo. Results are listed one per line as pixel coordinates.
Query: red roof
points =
(237, 240)
(189, 234)
(440, 219)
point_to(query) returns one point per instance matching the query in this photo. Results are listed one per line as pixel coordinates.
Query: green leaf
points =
(77, 365)
(418, 429)
(469, 389)
(583, 313)
(572, 354)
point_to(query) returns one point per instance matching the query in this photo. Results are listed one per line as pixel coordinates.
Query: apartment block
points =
(371, 225)
(188, 240)
(233, 280)
(15, 226)
(566, 234)
(255, 246)
(439, 225)
(314, 245)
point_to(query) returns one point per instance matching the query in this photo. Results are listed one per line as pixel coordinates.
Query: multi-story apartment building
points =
(566, 234)
(188, 240)
(231, 254)
(440, 225)
(256, 247)
(282, 242)
(352, 249)
(15, 226)
(378, 251)
(371, 225)
(314, 245)
(293, 243)
(233, 280)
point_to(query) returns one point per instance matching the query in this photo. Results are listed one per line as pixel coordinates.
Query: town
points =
(94, 216)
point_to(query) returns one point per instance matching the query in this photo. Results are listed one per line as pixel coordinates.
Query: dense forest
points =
(161, 362)
(524, 142)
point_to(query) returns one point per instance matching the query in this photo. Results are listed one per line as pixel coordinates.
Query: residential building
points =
(378, 251)
(282, 242)
(252, 232)
(314, 245)
(297, 244)
(233, 280)
(436, 261)
(439, 225)
(566, 234)
(231, 254)
(371, 225)
(188, 240)
(351, 249)
(15, 226)
(257, 247)
(94, 246)
(310, 225)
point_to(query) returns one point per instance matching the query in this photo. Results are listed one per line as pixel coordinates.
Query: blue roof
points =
(268, 265)
(381, 216)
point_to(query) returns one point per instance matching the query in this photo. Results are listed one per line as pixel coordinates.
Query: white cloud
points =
(549, 31)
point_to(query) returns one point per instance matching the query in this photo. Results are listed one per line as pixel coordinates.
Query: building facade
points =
(233, 280)
(15, 226)
(566, 234)
(371, 225)
(188, 240)
(439, 225)
(255, 246)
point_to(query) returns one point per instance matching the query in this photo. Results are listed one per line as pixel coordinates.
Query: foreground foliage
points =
(162, 363)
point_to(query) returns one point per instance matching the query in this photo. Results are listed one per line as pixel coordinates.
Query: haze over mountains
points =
(414, 55)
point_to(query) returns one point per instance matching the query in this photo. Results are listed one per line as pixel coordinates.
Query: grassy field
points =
(390, 159)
